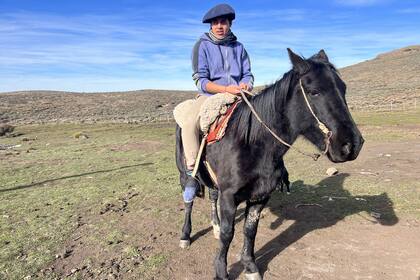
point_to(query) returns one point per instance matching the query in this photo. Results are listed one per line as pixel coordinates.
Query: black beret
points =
(221, 10)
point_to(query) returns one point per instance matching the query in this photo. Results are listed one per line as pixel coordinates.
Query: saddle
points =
(218, 128)
(214, 114)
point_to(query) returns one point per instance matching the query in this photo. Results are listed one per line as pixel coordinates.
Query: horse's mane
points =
(269, 101)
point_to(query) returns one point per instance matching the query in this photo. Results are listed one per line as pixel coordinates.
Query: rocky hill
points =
(392, 76)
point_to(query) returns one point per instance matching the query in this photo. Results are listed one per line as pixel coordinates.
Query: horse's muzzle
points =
(346, 151)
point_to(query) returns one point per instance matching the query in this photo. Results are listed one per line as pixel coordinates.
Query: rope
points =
(321, 126)
(313, 156)
(198, 158)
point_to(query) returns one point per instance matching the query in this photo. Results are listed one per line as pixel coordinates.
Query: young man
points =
(220, 64)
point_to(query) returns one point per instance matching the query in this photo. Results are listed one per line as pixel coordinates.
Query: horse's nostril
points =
(347, 148)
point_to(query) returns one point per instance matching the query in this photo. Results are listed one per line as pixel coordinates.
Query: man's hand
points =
(233, 89)
(244, 86)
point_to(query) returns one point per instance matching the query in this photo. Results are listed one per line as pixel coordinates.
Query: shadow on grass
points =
(311, 218)
(73, 176)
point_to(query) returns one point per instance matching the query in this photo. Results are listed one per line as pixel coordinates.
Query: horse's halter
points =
(322, 126)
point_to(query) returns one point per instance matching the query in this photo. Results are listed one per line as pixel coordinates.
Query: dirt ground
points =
(293, 242)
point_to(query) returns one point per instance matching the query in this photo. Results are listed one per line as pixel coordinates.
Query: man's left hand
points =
(244, 86)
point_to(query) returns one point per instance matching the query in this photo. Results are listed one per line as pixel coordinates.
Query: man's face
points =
(220, 27)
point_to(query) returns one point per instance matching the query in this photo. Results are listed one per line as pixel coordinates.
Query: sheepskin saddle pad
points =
(214, 115)
(218, 127)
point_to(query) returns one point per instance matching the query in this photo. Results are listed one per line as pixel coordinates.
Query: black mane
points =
(266, 103)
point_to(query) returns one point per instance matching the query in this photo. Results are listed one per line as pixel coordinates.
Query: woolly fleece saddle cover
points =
(210, 110)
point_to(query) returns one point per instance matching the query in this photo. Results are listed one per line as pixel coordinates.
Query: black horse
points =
(248, 160)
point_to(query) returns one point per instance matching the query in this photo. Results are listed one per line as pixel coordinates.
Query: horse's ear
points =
(298, 62)
(321, 55)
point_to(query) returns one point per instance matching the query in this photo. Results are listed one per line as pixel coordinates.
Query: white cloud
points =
(54, 50)
(273, 15)
(126, 52)
(360, 2)
(91, 83)
(413, 10)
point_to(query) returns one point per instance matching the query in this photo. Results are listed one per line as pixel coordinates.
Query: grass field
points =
(118, 190)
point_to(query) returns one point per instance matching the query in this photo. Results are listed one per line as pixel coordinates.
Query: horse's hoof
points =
(216, 231)
(253, 276)
(184, 244)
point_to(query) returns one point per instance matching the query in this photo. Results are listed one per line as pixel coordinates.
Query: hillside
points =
(392, 76)
(53, 106)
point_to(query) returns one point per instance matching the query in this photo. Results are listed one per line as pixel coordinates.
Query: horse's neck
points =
(278, 119)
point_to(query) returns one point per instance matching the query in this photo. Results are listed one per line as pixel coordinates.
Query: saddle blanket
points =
(213, 116)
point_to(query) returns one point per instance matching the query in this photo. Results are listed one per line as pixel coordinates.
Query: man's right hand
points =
(233, 89)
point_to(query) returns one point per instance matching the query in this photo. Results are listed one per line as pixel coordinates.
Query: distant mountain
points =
(392, 76)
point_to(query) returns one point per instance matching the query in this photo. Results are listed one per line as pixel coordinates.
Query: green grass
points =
(152, 263)
(387, 118)
(43, 191)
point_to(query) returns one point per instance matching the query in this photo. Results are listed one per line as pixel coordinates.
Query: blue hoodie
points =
(224, 63)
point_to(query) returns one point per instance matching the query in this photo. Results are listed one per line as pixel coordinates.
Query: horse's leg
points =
(215, 222)
(227, 228)
(186, 229)
(285, 180)
(252, 214)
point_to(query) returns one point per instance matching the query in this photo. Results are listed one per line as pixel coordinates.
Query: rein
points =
(321, 126)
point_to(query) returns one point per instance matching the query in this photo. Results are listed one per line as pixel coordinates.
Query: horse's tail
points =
(179, 157)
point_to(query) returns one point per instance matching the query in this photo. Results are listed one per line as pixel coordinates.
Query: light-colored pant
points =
(191, 133)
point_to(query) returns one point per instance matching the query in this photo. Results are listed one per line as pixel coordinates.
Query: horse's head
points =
(325, 91)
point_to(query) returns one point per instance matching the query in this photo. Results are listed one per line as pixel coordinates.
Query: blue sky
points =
(94, 45)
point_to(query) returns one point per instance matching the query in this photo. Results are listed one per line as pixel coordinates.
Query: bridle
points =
(327, 133)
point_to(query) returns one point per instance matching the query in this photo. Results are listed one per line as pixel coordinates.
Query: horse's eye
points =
(314, 92)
